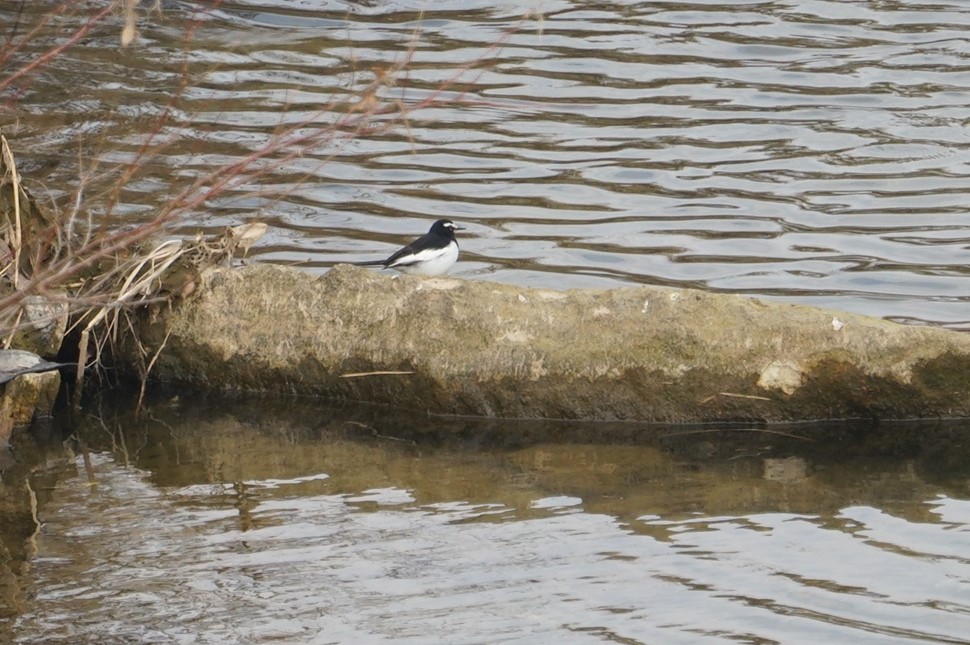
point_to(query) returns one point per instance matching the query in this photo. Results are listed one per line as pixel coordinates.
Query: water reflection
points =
(251, 523)
(806, 150)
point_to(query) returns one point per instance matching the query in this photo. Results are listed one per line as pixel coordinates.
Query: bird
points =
(431, 254)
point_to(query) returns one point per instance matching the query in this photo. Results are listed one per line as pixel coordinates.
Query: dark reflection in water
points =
(810, 150)
(237, 521)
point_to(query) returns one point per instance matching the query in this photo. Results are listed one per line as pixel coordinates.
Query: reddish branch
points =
(45, 58)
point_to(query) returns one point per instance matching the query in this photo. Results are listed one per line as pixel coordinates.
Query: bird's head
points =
(445, 227)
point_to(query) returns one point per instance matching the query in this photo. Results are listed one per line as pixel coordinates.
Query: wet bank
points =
(463, 347)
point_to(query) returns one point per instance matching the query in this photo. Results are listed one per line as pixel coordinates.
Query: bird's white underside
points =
(429, 262)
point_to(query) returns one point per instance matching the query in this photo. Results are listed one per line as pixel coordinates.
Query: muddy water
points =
(807, 150)
(302, 524)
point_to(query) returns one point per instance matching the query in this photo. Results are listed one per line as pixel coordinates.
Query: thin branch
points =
(53, 53)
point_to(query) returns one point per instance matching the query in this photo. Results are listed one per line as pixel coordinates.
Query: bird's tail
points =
(371, 263)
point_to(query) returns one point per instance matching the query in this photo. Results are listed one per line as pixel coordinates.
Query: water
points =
(804, 150)
(210, 523)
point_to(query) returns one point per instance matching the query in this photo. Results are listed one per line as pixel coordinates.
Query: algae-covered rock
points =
(464, 347)
(29, 396)
(24, 398)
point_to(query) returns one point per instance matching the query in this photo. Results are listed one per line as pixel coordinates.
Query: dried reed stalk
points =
(16, 240)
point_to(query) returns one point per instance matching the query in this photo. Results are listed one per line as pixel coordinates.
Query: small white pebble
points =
(646, 305)
(837, 324)
(522, 298)
(674, 297)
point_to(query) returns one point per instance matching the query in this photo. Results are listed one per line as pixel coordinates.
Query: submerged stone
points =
(454, 346)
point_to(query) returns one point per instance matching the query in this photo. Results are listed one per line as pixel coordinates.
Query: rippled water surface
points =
(309, 525)
(807, 150)
(804, 150)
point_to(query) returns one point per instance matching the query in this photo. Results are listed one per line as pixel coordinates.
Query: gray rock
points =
(14, 362)
(43, 324)
(463, 347)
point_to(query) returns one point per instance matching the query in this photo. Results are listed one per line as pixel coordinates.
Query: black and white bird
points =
(431, 254)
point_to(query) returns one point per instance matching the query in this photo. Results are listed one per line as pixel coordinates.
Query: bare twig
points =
(48, 56)
(734, 395)
(148, 369)
(379, 373)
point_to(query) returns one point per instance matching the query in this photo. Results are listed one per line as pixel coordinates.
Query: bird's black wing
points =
(407, 250)
(423, 243)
